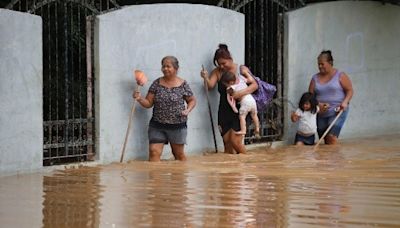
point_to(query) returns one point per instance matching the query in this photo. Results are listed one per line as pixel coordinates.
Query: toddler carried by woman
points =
(247, 102)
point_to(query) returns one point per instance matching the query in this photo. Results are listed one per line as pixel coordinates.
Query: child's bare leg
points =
(256, 122)
(242, 119)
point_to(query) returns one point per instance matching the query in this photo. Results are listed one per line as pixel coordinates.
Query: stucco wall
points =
(21, 121)
(364, 40)
(137, 37)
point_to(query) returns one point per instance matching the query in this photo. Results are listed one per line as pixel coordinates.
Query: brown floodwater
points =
(355, 184)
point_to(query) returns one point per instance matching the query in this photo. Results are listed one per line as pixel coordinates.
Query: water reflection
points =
(166, 199)
(21, 201)
(355, 184)
(71, 198)
(230, 201)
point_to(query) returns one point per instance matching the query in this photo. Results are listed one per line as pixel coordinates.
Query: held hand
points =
(294, 117)
(136, 95)
(343, 106)
(323, 107)
(204, 73)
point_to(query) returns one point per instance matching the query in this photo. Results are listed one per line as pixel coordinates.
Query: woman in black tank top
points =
(228, 120)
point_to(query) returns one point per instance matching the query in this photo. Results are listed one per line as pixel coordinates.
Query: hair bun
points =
(326, 51)
(223, 46)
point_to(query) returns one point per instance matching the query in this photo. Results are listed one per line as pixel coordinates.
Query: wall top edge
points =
(163, 7)
(19, 14)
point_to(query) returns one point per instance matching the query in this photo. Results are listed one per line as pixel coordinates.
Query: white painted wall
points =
(138, 37)
(362, 35)
(21, 118)
(364, 39)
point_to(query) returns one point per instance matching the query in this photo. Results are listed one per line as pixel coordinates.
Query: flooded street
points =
(355, 184)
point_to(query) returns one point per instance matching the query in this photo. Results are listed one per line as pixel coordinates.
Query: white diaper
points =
(247, 104)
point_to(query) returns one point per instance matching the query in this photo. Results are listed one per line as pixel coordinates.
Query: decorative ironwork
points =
(67, 67)
(263, 55)
(68, 125)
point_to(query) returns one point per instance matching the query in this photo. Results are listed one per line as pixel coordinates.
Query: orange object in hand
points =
(140, 77)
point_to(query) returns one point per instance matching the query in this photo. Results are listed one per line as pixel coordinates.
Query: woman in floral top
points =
(167, 95)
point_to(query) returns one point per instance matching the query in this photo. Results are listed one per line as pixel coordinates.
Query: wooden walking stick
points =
(141, 79)
(329, 128)
(209, 112)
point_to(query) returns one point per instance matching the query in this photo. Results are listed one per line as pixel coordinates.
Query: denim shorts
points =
(324, 122)
(161, 135)
(307, 140)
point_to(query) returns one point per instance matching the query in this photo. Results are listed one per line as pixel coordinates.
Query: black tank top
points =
(225, 112)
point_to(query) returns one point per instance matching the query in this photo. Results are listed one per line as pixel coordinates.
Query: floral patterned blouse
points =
(169, 103)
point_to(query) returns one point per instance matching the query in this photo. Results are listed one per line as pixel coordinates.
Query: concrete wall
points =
(21, 118)
(364, 39)
(137, 37)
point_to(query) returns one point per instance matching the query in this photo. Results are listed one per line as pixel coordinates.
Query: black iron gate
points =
(67, 75)
(264, 52)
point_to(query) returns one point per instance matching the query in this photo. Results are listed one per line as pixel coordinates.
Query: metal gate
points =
(68, 70)
(67, 76)
(263, 55)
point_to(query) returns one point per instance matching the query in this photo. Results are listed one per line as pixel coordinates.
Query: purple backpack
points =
(264, 94)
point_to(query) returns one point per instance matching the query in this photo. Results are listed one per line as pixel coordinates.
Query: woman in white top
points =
(306, 114)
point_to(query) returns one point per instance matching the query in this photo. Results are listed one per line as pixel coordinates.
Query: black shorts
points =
(307, 140)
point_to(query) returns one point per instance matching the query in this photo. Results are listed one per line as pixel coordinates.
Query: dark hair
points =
(308, 97)
(221, 53)
(227, 77)
(328, 55)
(174, 60)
